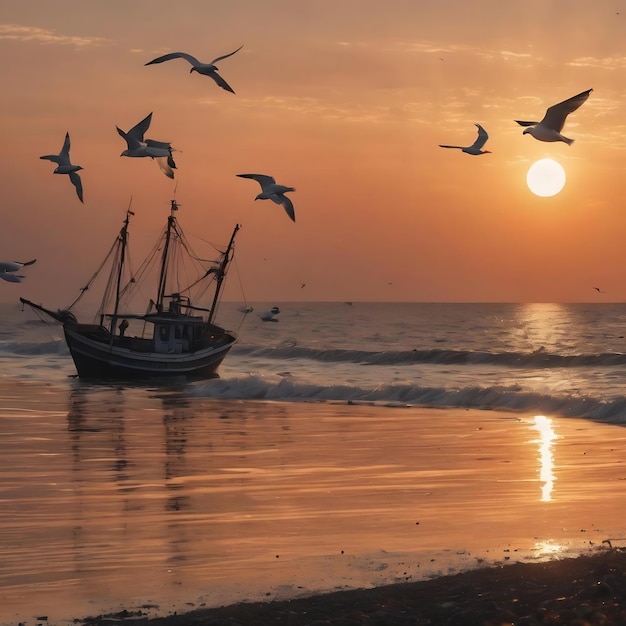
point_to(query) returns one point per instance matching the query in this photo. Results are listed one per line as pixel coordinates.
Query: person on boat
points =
(123, 326)
(175, 304)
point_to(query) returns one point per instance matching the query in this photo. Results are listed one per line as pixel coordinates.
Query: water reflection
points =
(542, 327)
(550, 548)
(110, 429)
(546, 459)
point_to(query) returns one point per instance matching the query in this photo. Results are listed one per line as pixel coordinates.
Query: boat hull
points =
(97, 359)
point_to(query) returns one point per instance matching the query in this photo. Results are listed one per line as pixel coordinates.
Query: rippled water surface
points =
(115, 497)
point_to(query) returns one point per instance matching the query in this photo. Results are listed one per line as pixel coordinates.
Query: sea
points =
(330, 437)
(566, 359)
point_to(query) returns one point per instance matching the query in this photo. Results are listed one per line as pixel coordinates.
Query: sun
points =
(545, 178)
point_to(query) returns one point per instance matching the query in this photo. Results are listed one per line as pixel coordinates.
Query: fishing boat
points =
(173, 334)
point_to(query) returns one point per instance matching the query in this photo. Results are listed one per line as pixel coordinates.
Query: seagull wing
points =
(11, 278)
(75, 178)
(65, 150)
(51, 157)
(132, 143)
(521, 123)
(163, 145)
(225, 56)
(126, 136)
(63, 158)
(288, 206)
(140, 129)
(10, 266)
(555, 116)
(482, 138)
(155, 151)
(444, 146)
(262, 179)
(221, 82)
(164, 164)
(175, 55)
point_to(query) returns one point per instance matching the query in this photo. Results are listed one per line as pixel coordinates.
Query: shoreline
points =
(585, 590)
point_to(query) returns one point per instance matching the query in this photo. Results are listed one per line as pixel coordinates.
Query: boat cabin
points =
(176, 335)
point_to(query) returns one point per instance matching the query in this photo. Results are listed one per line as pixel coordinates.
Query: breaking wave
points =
(537, 359)
(509, 398)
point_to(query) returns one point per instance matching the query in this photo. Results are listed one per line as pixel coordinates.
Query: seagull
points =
(271, 191)
(208, 69)
(13, 266)
(476, 148)
(549, 129)
(8, 267)
(64, 166)
(160, 151)
(270, 316)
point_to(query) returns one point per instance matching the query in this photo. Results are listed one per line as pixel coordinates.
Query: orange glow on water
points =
(547, 436)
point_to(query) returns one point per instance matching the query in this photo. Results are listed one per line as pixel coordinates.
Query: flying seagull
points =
(8, 267)
(271, 191)
(208, 69)
(160, 151)
(64, 166)
(549, 129)
(476, 148)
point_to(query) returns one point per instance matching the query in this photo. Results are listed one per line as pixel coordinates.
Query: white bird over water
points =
(207, 69)
(476, 148)
(160, 151)
(270, 316)
(270, 190)
(64, 166)
(549, 129)
(8, 267)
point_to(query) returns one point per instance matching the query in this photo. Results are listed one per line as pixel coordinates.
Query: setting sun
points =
(545, 178)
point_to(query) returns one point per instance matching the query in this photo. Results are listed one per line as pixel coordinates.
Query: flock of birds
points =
(139, 147)
(548, 129)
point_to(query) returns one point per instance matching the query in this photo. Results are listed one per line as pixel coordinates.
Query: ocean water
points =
(320, 459)
(560, 359)
(557, 359)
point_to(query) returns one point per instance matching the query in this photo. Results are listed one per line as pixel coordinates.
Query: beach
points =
(582, 591)
(162, 501)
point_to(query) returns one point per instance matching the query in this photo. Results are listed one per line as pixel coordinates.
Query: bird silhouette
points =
(137, 146)
(270, 190)
(65, 166)
(550, 127)
(476, 148)
(207, 69)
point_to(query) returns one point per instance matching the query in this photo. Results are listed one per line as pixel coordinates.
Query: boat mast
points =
(120, 269)
(164, 259)
(220, 273)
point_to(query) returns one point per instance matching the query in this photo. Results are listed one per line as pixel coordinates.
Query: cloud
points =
(605, 63)
(336, 110)
(45, 36)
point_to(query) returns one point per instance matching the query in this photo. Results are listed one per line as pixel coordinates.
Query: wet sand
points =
(158, 501)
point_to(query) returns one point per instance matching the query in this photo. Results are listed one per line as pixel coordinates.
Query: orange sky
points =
(346, 100)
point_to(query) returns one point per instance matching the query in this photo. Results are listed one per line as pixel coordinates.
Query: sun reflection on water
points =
(546, 459)
(549, 548)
